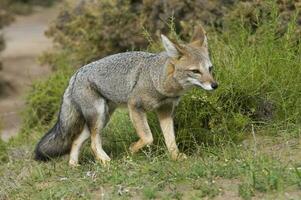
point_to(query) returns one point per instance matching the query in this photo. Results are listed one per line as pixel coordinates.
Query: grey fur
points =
(116, 77)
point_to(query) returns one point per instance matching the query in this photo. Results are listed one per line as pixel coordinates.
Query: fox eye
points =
(210, 68)
(196, 71)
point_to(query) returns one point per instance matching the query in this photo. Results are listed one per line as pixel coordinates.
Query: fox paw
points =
(133, 148)
(105, 161)
(179, 156)
(73, 163)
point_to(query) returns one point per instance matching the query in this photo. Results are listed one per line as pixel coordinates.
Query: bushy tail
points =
(52, 144)
(58, 140)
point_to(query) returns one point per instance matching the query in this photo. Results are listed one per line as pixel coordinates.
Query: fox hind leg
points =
(76, 146)
(96, 119)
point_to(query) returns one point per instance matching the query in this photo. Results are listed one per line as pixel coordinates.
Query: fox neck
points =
(167, 84)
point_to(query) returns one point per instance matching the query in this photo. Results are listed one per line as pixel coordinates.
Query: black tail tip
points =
(39, 156)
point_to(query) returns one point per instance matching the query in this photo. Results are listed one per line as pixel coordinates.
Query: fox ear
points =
(199, 37)
(170, 47)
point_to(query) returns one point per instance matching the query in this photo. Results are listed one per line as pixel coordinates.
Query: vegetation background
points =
(243, 140)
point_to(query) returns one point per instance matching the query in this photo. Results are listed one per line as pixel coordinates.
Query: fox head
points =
(190, 64)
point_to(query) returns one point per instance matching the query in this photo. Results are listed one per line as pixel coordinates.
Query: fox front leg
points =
(166, 122)
(139, 120)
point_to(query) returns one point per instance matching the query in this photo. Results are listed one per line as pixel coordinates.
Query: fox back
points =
(116, 76)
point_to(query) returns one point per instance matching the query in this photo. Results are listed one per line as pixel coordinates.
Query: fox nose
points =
(214, 85)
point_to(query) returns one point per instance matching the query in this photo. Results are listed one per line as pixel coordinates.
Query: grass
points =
(215, 171)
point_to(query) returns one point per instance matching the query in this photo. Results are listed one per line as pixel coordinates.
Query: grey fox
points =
(139, 80)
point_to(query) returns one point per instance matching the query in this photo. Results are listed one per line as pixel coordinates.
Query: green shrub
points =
(93, 29)
(255, 87)
(108, 27)
(43, 101)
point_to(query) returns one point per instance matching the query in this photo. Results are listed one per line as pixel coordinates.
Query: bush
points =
(43, 101)
(255, 87)
(109, 27)
(256, 66)
(93, 29)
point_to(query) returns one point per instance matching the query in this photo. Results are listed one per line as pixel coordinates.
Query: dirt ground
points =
(25, 41)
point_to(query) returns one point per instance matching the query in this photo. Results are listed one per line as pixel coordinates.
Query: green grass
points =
(214, 171)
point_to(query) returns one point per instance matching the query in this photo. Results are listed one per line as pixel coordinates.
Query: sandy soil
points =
(25, 41)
